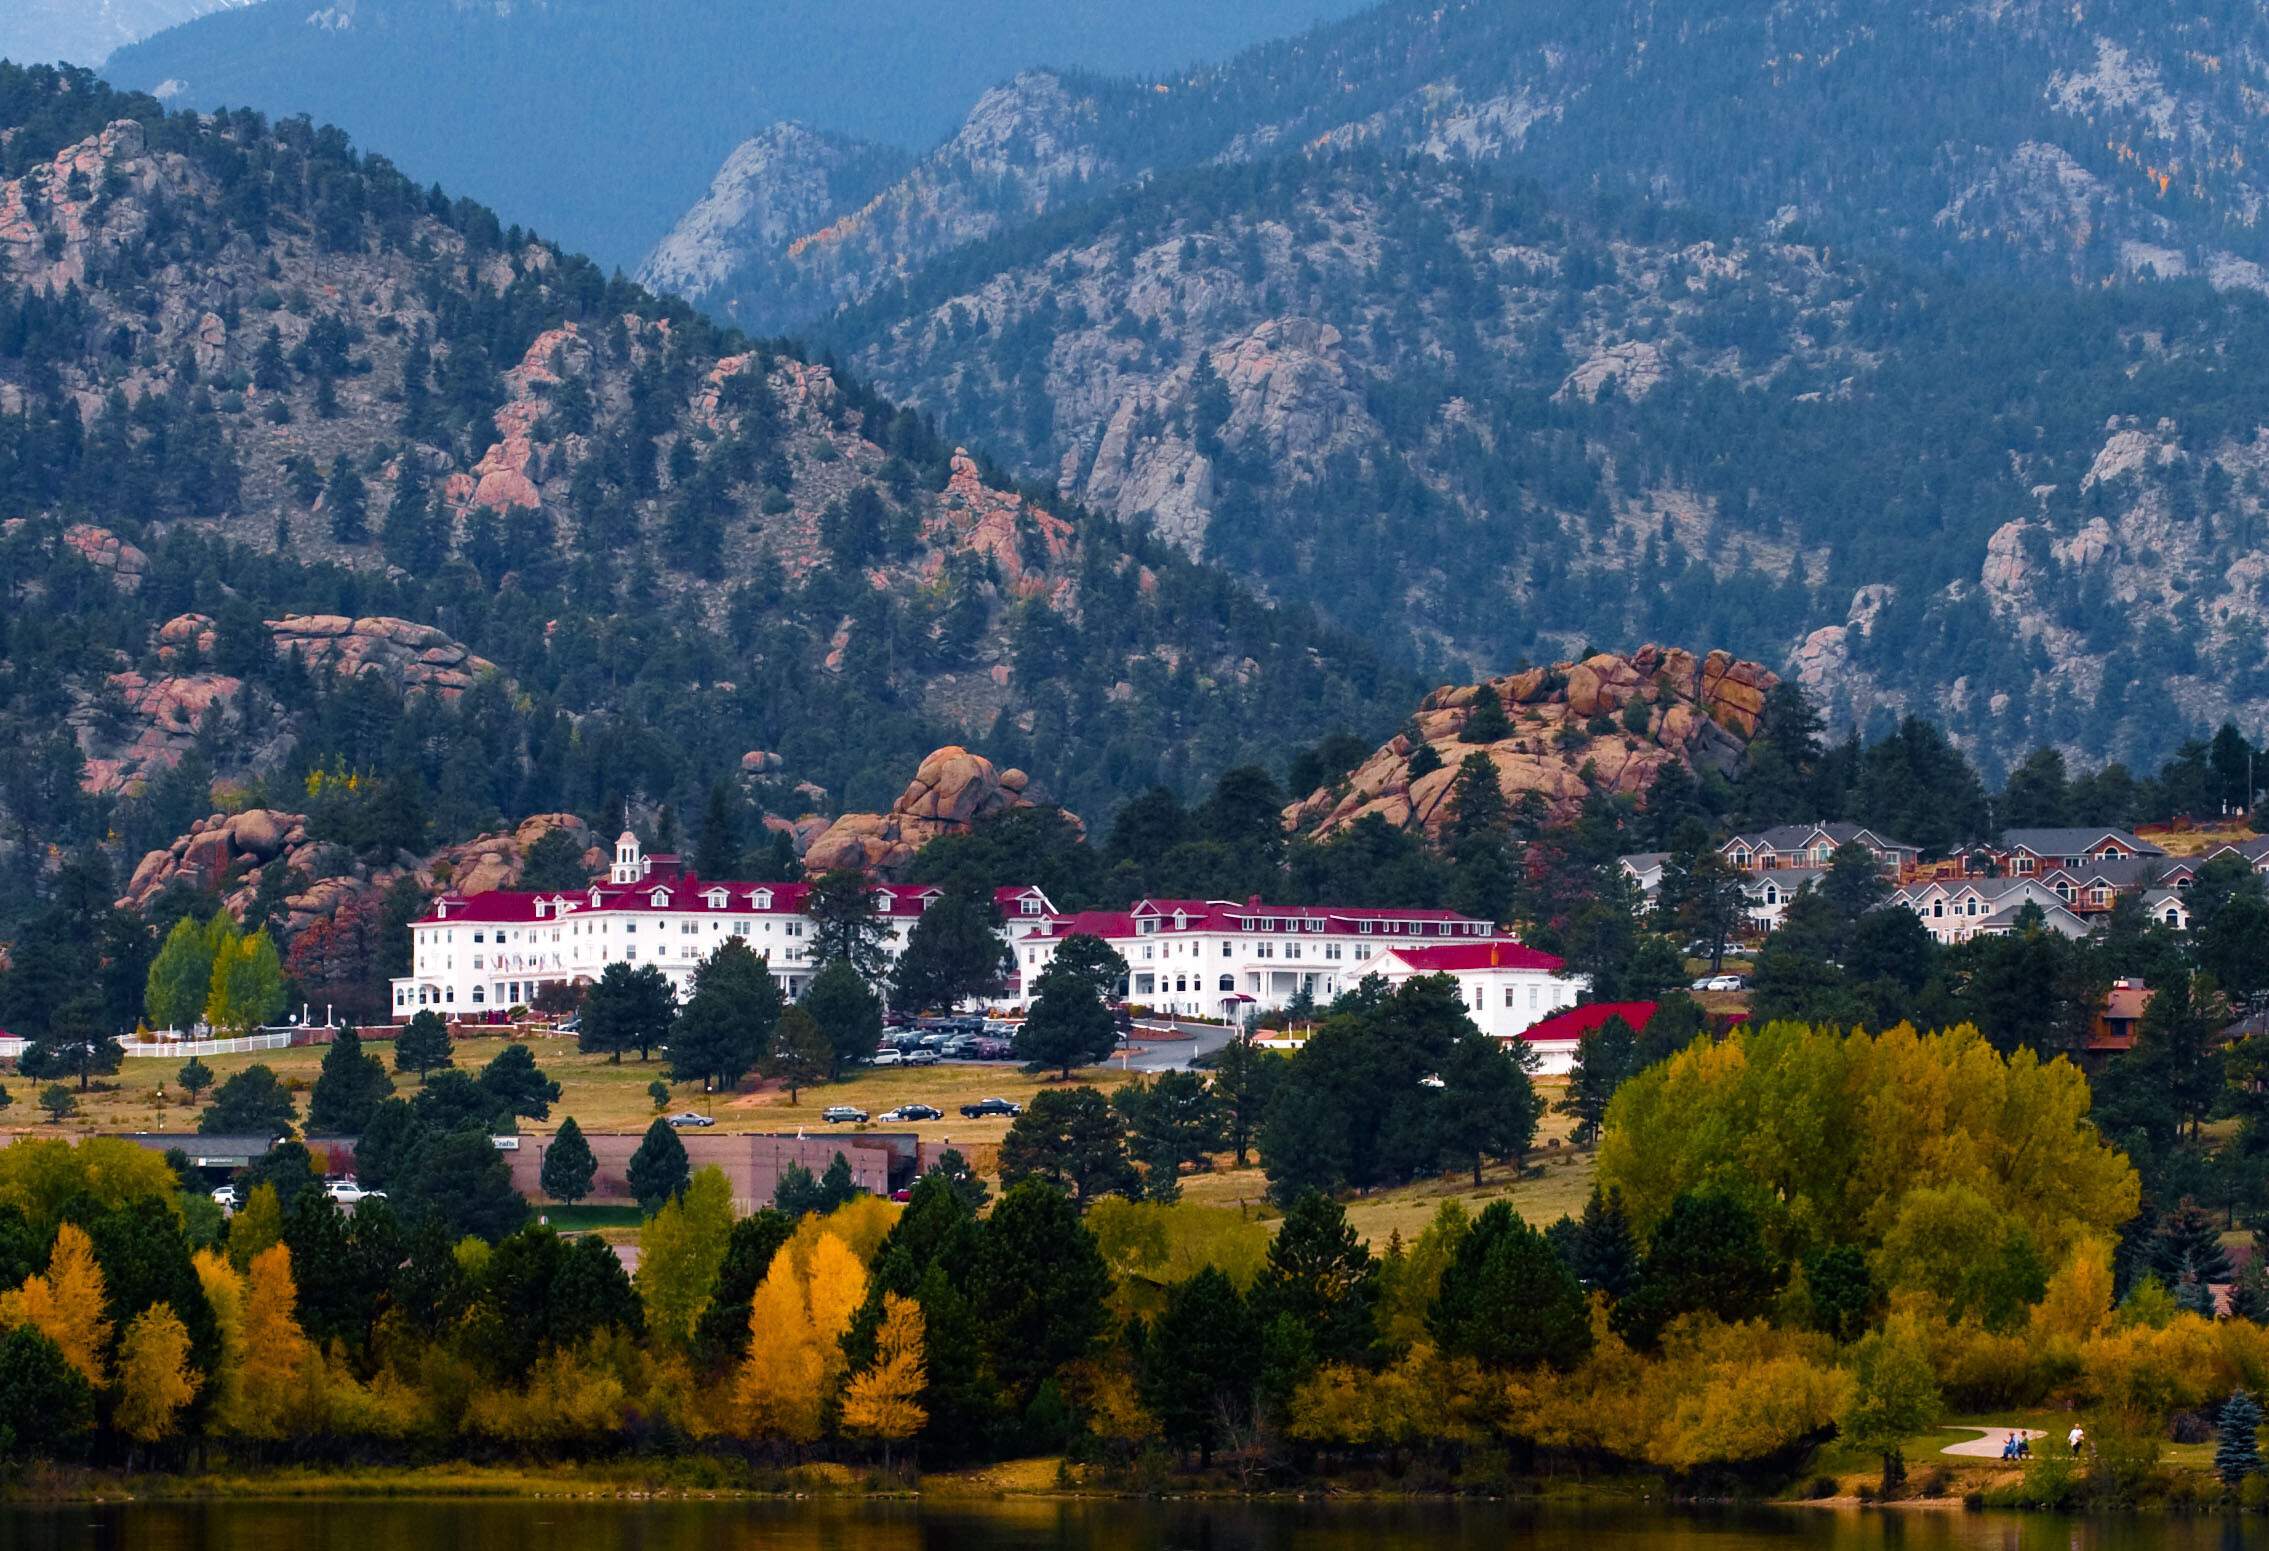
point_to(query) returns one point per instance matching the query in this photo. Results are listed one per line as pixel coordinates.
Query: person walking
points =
(2076, 1438)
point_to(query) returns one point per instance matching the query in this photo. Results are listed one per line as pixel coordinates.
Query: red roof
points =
(686, 894)
(1093, 923)
(1576, 1022)
(1228, 915)
(1450, 958)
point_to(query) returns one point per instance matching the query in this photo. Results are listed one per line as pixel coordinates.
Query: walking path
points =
(1990, 1445)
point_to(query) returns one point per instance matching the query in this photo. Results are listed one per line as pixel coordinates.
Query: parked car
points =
(987, 1107)
(572, 1025)
(1725, 983)
(920, 1058)
(687, 1117)
(906, 1112)
(346, 1192)
(225, 1199)
(990, 1049)
(1701, 983)
(887, 1056)
(843, 1114)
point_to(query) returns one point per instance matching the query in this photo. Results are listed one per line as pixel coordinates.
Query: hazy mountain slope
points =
(2021, 137)
(1447, 412)
(601, 121)
(85, 31)
(218, 340)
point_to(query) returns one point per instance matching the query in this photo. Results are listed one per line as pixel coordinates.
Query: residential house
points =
(1766, 896)
(2254, 853)
(2092, 885)
(2168, 907)
(2113, 1029)
(1813, 846)
(2026, 853)
(1644, 868)
(1955, 910)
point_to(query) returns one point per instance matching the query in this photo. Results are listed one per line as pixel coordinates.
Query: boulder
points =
(952, 790)
(1696, 712)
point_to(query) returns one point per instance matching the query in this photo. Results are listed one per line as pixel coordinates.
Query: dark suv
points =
(988, 1107)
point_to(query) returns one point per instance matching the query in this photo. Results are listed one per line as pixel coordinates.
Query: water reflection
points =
(1073, 1526)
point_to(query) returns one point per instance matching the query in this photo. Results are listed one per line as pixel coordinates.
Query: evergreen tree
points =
(718, 852)
(1200, 1362)
(627, 1009)
(847, 924)
(1708, 1255)
(348, 1090)
(1605, 1056)
(568, 1167)
(252, 1103)
(423, 1045)
(1485, 719)
(1173, 1121)
(347, 503)
(725, 1028)
(1507, 1299)
(1321, 1276)
(1600, 1248)
(1068, 1023)
(801, 1054)
(1490, 1107)
(1070, 1138)
(513, 1084)
(2237, 1439)
(195, 1077)
(1244, 1077)
(847, 1012)
(658, 1171)
(952, 954)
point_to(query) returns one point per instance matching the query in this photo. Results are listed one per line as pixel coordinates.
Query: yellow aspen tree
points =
(680, 1251)
(885, 1401)
(155, 1380)
(224, 1294)
(65, 1305)
(783, 1379)
(275, 1348)
(838, 1291)
(258, 1224)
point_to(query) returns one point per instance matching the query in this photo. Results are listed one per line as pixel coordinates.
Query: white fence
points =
(184, 1048)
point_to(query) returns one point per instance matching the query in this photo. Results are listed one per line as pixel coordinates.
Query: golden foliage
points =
(885, 1400)
(224, 1295)
(39, 1177)
(65, 1305)
(861, 1223)
(258, 1224)
(837, 1288)
(1151, 1245)
(1842, 1129)
(275, 1354)
(572, 1396)
(779, 1393)
(155, 1380)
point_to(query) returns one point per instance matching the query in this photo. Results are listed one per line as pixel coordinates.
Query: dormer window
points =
(594, 899)
(716, 898)
(1181, 921)
(760, 899)
(660, 898)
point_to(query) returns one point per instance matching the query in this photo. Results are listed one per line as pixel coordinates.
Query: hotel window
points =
(1508, 998)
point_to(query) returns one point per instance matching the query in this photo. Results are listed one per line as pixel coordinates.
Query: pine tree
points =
(800, 1053)
(350, 1087)
(2237, 1443)
(347, 503)
(725, 1027)
(657, 1171)
(423, 1045)
(568, 1166)
(1485, 719)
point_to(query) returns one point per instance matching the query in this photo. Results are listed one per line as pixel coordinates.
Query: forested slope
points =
(246, 374)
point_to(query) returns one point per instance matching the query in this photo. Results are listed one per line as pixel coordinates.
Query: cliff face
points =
(1608, 724)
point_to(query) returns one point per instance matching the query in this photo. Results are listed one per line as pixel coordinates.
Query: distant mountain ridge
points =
(601, 122)
(2017, 138)
(84, 32)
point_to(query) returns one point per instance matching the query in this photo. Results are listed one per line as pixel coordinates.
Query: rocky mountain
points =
(84, 32)
(1608, 725)
(601, 122)
(324, 479)
(2117, 139)
(1822, 332)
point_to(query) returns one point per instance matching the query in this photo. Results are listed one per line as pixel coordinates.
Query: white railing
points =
(206, 1047)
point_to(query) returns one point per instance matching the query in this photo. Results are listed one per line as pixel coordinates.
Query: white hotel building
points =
(1214, 958)
(481, 954)
(472, 955)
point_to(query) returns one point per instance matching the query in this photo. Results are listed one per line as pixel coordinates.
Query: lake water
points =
(1072, 1526)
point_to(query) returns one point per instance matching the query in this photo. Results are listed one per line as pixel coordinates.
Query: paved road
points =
(1989, 1446)
(1151, 1054)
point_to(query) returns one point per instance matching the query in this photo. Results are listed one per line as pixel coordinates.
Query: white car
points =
(346, 1192)
(887, 1058)
(1725, 983)
(225, 1199)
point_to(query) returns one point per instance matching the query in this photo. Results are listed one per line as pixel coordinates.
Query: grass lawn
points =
(600, 1094)
(1557, 1182)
